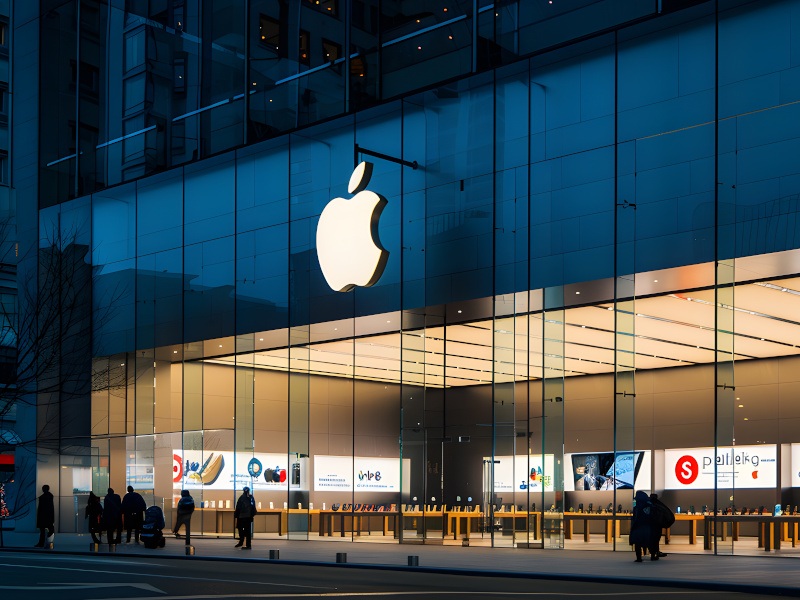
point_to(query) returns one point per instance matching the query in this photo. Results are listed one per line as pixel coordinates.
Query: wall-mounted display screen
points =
(742, 467)
(607, 470)
(360, 474)
(229, 471)
(521, 473)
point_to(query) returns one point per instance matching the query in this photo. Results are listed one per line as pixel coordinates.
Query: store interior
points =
(490, 408)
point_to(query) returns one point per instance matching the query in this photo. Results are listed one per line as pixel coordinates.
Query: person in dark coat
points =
(112, 517)
(244, 513)
(45, 516)
(184, 512)
(641, 535)
(133, 507)
(94, 513)
(663, 518)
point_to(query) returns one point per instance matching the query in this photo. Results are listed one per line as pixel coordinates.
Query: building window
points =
(304, 52)
(324, 6)
(3, 34)
(134, 49)
(179, 76)
(3, 100)
(270, 32)
(4, 168)
(331, 50)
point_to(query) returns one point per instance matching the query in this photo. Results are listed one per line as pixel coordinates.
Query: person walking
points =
(663, 518)
(133, 507)
(641, 535)
(243, 515)
(112, 517)
(45, 516)
(184, 512)
(94, 513)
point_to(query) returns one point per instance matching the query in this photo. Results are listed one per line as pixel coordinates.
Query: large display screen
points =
(607, 470)
(360, 474)
(193, 469)
(521, 473)
(737, 467)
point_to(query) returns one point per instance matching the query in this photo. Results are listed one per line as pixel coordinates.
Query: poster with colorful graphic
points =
(192, 469)
(522, 473)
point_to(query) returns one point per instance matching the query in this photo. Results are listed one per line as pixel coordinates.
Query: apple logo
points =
(350, 253)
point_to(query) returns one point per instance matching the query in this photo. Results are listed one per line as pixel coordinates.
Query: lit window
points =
(304, 51)
(269, 31)
(331, 50)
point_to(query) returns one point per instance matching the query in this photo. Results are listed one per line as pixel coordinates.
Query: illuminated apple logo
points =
(350, 253)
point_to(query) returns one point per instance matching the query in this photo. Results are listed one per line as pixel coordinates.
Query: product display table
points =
(453, 520)
(692, 520)
(771, 530)
(612, 524)
(219, 515)
(356, 520)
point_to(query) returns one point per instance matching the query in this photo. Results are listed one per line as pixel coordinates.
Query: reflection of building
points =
(597, 254)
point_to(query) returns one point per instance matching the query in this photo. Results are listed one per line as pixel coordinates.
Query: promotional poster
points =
(737, 467)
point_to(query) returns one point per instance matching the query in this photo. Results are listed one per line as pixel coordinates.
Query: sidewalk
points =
(734, 573)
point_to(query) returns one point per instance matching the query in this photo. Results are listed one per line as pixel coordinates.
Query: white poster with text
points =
(360, 474)
(737, 467)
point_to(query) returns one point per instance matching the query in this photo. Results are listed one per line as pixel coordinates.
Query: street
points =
(34, 575)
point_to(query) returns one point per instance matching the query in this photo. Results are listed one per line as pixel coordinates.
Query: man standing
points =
(185, 510)
(112, 516)
(133, 507)
(45, 516)
(244, 513)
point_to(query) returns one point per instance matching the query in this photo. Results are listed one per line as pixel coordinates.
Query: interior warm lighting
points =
(741, 406)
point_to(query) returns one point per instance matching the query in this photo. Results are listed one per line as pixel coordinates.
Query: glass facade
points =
(591, 284)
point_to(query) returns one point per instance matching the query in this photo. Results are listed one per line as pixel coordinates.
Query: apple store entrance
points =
(526, 420)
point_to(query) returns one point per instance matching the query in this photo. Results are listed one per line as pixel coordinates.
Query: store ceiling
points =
(670, 330)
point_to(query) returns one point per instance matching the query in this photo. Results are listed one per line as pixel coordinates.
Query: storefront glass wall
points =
(550, 298)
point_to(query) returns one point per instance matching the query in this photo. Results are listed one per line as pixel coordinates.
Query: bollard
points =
(341, 557)
(274, 554)
(189, 550)
(112, 547)
(413, 561)
(465, 542)
(94, 547)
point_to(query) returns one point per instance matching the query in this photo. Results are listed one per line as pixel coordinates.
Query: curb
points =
(719, 586)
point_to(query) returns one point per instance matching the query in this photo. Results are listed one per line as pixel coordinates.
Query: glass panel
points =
(500, 498)
(553, 404)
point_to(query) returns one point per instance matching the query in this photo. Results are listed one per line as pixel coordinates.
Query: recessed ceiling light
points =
(260, 339)
(578, 293)
(741, 406)
(655, 280)
(746, 419)
(220, 345)
(459, 312)
(174, 351)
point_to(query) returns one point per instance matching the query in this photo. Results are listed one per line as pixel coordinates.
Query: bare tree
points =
(46, 323)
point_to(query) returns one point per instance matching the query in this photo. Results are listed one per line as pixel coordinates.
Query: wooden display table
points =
(692, 520)
(771, 530)
(612, 524)
(357, 518)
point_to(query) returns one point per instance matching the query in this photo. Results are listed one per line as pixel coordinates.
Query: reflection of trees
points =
(45, 352)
